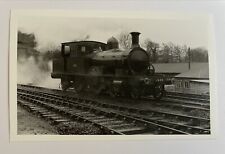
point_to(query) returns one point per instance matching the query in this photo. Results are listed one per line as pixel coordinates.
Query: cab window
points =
(66, 50)
(83, 49)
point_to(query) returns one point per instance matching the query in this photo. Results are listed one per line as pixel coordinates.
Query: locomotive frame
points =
(97, 67)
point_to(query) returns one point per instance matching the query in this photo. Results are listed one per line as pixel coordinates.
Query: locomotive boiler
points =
(97, 67)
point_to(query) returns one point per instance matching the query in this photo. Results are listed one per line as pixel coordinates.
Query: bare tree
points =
(124, 39)
(152, 48)
(173, 52)
(166, 56)
(184, 53)
(198, 55)
(177, 52)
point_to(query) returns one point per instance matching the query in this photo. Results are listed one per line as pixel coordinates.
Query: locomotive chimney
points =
(135, 39)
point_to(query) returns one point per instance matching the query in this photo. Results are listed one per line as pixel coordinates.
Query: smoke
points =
(34, 66)
(35, 70)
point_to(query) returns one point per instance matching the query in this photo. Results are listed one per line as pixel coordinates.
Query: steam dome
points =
(113, 43)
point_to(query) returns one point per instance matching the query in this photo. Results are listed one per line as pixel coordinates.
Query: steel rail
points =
(147, 126)
(183, 126)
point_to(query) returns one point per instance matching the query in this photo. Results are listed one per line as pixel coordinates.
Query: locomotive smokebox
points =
(135, 39)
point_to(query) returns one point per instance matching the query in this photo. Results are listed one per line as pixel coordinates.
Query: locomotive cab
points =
(75, 58)
(81, 48)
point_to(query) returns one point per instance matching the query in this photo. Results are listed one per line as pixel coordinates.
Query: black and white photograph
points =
(111, 73)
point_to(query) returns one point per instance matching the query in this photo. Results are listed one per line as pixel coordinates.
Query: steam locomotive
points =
(97, 67)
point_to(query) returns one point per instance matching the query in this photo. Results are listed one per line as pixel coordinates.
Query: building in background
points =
(196, 81)
(185, 78)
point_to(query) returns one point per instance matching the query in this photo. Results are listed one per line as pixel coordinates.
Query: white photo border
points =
(121, 14)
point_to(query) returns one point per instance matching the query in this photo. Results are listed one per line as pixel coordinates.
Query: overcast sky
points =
(51, 31)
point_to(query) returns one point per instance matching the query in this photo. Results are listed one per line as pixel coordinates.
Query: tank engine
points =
(91, 66)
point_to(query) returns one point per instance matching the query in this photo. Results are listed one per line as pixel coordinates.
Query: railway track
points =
(111, 122)
(134, 120)
(172, 103)
(179, 104)
(189, 97)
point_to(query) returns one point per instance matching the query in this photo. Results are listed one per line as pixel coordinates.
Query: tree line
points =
(167, 52)
(159, 53)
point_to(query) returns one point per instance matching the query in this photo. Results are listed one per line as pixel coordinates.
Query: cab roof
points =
(72, 42)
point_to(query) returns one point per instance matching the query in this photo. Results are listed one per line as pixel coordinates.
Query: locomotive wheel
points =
(114, 91)
(65, 84)
(79, 85)
(135, 93)
(95, 85)
(158, 92)
(112, 94)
